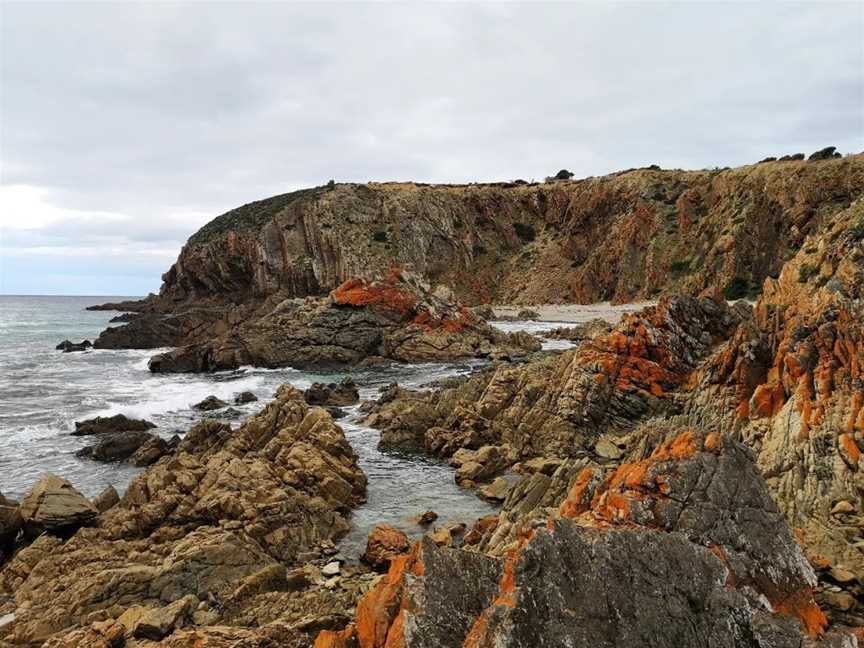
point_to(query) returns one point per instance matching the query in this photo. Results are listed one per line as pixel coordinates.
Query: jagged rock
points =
(107, 424)
(333, 394)
(383, 545)
(54, 505)
(589, 329)
(119, 446)
(245, 397)
(497, 491)
(427, 518)
(638, 562)
(106, 499)
(226, 505)
(68, 347)
(209, 404)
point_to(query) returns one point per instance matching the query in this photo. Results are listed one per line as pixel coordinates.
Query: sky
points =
(126, 126)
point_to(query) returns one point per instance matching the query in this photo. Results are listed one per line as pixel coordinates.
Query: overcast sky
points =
(125, 127)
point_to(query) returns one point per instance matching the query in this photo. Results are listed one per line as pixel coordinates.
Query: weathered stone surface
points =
(107, 424)
(53, 504)
(625, 561)
(227, 505)
(383, 545)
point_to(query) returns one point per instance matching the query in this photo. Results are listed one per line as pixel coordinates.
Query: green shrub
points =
(680, 267)
(857, 231)
(737, 288)
(807, 271)
(380, 236)
(525, 232)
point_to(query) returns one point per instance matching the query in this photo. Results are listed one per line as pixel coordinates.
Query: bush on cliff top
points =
(737, 288)
(525, 232)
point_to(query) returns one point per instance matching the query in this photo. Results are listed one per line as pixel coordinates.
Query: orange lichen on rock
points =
(576, 502)
(336, 639)
(850, 448)
(378, 610)
(386, 292)
(800, 605)
(767, 400)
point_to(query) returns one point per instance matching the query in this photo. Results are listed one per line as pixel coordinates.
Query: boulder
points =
(119, 446)
(333, 394)
(158, 623)
(209, 404)
(106, 499)
(427, 518)
(54, 505)
(151, 451)
(107, 424)
(245, 397)
(383, 545)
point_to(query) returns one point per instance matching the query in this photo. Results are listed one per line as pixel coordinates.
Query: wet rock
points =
(108, 424)
(54, 505)
(119, 446)
(106, 499)
(68, 347)
(427, 518)
(333, 394)
(123, 317)
(245, 397)
(383, 545)
(209, 404)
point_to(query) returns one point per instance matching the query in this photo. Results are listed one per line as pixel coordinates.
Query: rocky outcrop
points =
(219, 520)
(68, 347)
(383, 545)
(118, 446)
(209, 404)
(109, 424)
(643, 552)
(395, 317)
(560, 404)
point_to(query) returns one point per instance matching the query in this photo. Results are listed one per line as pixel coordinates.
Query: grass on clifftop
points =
(251, 215)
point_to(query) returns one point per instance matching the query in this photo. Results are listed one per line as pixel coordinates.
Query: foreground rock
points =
(394, 317)
(219, 520)
(54, 505)
(108, 424)
(636, 554)
(117, 446)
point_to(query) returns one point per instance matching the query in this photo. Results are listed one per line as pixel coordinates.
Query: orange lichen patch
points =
(800, 605)
(767, 400)
(384, 292)
(850, 448)
(379, 608)
(396, 635)
(576, 503)
(804, 393)
(476, 636)
(856, 413)
(335, 639)
(713, 442)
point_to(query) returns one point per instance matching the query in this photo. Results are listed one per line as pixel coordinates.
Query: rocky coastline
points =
(690, 475)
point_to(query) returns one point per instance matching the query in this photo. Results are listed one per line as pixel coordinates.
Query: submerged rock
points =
(209, 404)
(68, 347)
(245, 397)
(107, 424)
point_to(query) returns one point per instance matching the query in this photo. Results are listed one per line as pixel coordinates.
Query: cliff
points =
(622, 237)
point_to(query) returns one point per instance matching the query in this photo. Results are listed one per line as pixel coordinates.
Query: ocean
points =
(44, 391)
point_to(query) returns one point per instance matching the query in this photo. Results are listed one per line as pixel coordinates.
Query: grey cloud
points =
(155, 109)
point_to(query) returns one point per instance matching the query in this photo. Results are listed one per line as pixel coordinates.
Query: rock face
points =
(394, 317)
(106, 424)
(621, 237)
(54, 505)
(640, 556)
(212, 521)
